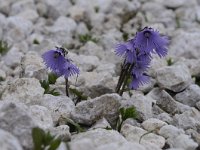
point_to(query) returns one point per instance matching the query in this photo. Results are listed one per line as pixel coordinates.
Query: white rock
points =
(42, 116)
(96, 138)
(100, 84)
(181, 77)
(133, 134)
(2, 75)
(16, 119)
(24, 90)
(142, 104)
(21, 24)
(165, 117)
(106, 67)
(77, 13)
(170, 131)
(57, 8)
(31, 15)
(102, 123)
(179, 46)
(20, 6)
(187, 120)
(190, 96)
(8, 141)
(61, 132)
(33, 66)
(87, 112)
(5, 6)
(82, 29)
(13, 57)
(59, 106)
(153, 124)
(173, 4)
(182, 141)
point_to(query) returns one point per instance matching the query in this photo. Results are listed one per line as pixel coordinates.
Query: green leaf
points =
(53, 92)
(48, 138)
(74, 124)
(35, 41)
(38, 136)
(4, 47)
(170, 61)
(52, 78)
(128, 113)
(87, 37)
(54, 144)
(80, 95)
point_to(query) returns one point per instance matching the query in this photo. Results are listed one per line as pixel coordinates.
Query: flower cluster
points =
(138, 52)
(56, 61)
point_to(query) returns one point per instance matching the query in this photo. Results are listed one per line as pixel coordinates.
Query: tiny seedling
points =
(43, 140)
(4, 47)
(87, 37)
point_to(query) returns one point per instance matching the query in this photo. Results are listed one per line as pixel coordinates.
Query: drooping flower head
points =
(55, 60)
(138, 53)
(150, 41)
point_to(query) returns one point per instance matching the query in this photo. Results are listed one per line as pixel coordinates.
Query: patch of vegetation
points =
(46, 85)
(79, 96)
(96, 9)
(4, 47)
(125, 36)
(126, 113)
(87, 37)
(43, 140)
(35, 41)
(170, 61)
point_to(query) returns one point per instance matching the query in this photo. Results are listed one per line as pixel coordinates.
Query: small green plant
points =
(96, 9)
(46, 85)
(170, 61)
(125, 36)
(35, 41)
(4, 47)
(126, 113)
(79, 96)
(87, 37)
(43, 140)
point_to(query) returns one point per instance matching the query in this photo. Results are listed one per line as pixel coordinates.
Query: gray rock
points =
(187, 120)
(59, 106)
(8, 141)
(24, 90)
(101, 83)
(77, 13)
(20, 6)
(179, 46)
(190, 96)
(42, 116)
(87, 112)
(94, 139)
(173, 4)
(153, 124)
(175, 77)
(33, 66)
(142, 104)
(198, 105)
(101, 123)
(164, 100)
(61, 132)
(182, 141)
(31, 15)
(57, 8)
(194, 135)
(82, 29)
(16, 119)
(170, 131)
(165, 117)
(136, 134)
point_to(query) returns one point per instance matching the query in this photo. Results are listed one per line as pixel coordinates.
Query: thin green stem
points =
(66, 87)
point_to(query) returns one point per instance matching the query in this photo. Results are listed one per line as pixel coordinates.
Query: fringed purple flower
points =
(150, 41)
(55, 60)
(138, 81)
(138, 54)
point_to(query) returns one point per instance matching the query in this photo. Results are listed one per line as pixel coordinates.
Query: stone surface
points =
(61, 132)
(87, 112)
(188, 120)
(133, 134)
(25, 90)
(8, 141)
(101, 123)
(16, 119)
(42, 116)
(153, 124)
(59, 106)
(190, 96)
(181, 77)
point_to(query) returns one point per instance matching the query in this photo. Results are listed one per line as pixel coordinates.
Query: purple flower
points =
(126, 50)
(138, 81)
(55, 60)
(140, 67)
(150, 41)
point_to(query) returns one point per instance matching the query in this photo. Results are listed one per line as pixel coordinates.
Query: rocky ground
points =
(169, 106)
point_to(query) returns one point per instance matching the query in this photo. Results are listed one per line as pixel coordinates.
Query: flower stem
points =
(120, 78)
(126, 77)
(66, 87)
